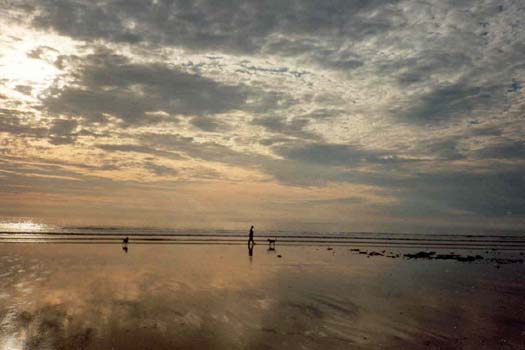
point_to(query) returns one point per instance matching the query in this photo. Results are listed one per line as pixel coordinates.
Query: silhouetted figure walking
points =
(250, 237)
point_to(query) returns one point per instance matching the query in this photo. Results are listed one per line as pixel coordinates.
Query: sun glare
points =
(20, 69)
(23, 68)
(27, 63)
(23, 226)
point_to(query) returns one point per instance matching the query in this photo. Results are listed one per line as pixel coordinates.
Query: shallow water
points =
(81, 235)
(97, 296)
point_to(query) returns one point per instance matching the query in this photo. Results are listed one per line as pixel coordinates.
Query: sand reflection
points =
(165, 297)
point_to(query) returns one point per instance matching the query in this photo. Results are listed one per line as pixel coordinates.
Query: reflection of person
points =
(250, 238)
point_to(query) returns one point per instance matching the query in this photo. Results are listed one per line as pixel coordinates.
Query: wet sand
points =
(97, 296)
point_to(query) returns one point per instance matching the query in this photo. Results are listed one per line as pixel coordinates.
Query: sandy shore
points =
(96, 296)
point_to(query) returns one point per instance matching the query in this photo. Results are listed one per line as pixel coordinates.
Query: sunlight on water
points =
(23, 225)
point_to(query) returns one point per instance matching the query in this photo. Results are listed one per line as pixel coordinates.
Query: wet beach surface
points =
(165, 296)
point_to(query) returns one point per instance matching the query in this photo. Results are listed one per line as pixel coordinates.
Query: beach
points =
(299, 296)
(261, 174)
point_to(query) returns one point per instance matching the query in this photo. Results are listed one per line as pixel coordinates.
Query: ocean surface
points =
(55, 234)
(82, 288)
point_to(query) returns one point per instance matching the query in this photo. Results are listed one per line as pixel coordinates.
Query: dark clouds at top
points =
(230, 26)
(421, 101)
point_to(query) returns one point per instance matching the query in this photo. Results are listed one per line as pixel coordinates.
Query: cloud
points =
(43, 52)
(161, 170)
(342, 200)
(131, 148)
(421, 67)
(12, 121)
(61, 131)
(24, 89)
(334, 154)
(209, 124)
(207, 151)
(229, 27)
(162, 18)
(448, 102)
(497, 193)
(494, 194)
(419, 102)
(485, 131)
(503, 150)
(295, 127)
(111, 85)
(447, 149)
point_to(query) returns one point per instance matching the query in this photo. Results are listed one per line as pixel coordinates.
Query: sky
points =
(351, 115)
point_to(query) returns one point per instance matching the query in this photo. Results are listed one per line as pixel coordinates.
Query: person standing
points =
(250, 237)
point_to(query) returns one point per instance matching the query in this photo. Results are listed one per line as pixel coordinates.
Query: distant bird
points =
(125, 240)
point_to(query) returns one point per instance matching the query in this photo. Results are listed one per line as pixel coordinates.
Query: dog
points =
(125, 240)
(271, 244)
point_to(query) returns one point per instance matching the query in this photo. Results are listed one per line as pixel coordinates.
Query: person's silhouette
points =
(250, 237)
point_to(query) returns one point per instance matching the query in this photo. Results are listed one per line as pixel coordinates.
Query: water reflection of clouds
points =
(193, 300)
(94, 297)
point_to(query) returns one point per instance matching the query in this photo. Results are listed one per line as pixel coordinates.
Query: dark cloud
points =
(315, 51)
(209, 124)
(62, 131)
(485, 131)
(334, 154)
(248, 67)
(228, 26)
(515, 86)
(24, 89)
(13, 121)
(490, 194)
(343, 201)
(453, 73)
(161, 170)
(324, 113)
(447, 149)
(425, 64)
(487, 194)
(208, 151)
(295, 127)
(111, 85)
(269, 141)
(41, 52)
(504, 150)
(448, 102)
(499, 193)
